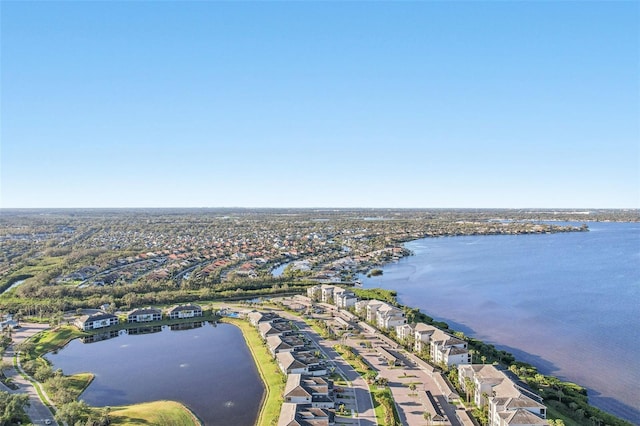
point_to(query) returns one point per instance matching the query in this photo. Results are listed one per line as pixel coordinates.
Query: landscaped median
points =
(272, 377)
(383, 404)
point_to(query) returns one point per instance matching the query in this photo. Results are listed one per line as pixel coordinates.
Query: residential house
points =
(184, 311)
(448, 350)
(326, 293)
(257, 317)
(443, 347)
(274, 328)
(304, 389)
(300, 362)
(510, 402)
(96, 321)
(344, 299)
(422, 336)
(284, 343)
(405, 332)
(388, 316)
(144, 315)
(314, 292)
(304, 415)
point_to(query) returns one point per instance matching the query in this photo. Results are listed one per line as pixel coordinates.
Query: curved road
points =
(37, 411)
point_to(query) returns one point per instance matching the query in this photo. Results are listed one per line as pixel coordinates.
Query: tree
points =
(427, 416)
(72, 412)
(12, 407)
(469, 386)
(412, 387)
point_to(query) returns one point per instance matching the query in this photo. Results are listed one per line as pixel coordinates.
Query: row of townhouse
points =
(510, 402)
(102, 319)
(308, 395)
(382, 314)
(338, 296)
(443, 347)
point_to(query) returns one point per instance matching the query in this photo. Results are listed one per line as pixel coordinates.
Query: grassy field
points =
(271, 375)
(50, 340)
(161, 413)
(79, 382)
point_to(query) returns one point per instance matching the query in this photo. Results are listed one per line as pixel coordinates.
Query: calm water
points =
(209, 369)
(566, 303)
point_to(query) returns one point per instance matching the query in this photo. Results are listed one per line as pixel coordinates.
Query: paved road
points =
(364, 404)
(36, 411)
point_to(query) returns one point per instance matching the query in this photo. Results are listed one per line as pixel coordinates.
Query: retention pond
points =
(206, 366)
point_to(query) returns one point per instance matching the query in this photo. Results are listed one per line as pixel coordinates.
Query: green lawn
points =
(52, 339)
(160, 413)
(79, 382)
(383, 416)
(272, 377)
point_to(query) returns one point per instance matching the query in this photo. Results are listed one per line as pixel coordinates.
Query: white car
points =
(47, 422)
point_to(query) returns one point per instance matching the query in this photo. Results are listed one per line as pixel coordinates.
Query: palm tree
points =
(468, 384)
(427, 417)
(412, 387)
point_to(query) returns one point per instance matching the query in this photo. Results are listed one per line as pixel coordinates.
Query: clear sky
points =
(320, 104)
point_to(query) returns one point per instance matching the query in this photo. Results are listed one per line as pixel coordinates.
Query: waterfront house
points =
(184, 311)
(443, 347)
(405, 332)
(344, 299)
(144, 315)
(274, 328)
(388, 317)
(510, 402)
(300, 362)
(422, 336)
(256, 317)
(314, 292)
(96, 321)
(285, 343)
(304, 415)
(326, 293)
(304, 389)
(448, 350)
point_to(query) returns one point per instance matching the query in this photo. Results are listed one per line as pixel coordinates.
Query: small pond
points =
(205, 366)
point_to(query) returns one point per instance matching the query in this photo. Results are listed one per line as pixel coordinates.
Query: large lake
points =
(567, 303)
(209, 369)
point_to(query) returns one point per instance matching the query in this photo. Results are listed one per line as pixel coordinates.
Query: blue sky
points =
(320, 104)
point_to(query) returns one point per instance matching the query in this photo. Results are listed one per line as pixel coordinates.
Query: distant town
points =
(350, 355)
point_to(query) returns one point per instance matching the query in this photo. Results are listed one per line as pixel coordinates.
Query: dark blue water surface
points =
(209, 369)
(568, 303)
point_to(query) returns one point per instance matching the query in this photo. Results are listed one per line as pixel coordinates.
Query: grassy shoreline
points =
(271, 376)
(152, 413)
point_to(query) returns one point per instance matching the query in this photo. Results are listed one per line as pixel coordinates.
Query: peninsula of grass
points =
(271, 375)
(53, 339)
(153, 413)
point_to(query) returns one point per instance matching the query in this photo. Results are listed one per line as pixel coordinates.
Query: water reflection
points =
(205, 366)
(188, 325)
(144, 330)
(98, 337)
